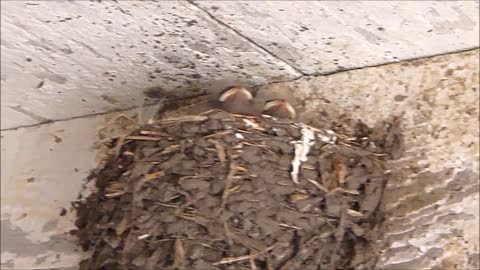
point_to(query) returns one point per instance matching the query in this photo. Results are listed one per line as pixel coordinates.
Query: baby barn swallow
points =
(237, 100)
(279, 108)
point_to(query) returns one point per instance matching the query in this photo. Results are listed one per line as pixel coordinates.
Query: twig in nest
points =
(218, 134)
(220, 151)
(253, 266)
(349, 191)
(226, 192)
(308, 167)
(340, 170)
(298, 197)
(128, 153)
(289, 226)
(114, 190)
(193, 176)
(132, 185)
(259, 145)
(244, 131)
(228, 184)
(244, 116)
(252, 124)
(269, 262)
(234, 259)
(350, 143)
(339, 235)
(116, 186)
(186, 216)
(183, 118)
(155, 133)
(170, 149)
(166, 205)
(286, 206)
(281, 168)
(242, 258)
(167, 150)
(116, 194)
(213, 110)
(240, 168)
(179, 260)
(208, 246)
(154, 175)
(233, 189)
(143, 236)
(318, 185)
(143, 138)
(173, 198)
(354, 213)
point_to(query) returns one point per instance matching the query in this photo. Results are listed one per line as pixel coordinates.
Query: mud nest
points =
(223, 191)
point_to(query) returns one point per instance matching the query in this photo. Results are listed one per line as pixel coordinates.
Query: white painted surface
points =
(39, 178)
(67, 59)
(43, 170)
(96, 57)
(319, 37)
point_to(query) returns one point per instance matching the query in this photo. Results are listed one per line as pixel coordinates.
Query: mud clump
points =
(222, 191)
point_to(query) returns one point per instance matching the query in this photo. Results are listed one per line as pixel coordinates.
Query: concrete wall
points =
(67, 59)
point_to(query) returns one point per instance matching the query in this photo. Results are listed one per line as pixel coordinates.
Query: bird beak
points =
(235, 93)
(279, 108)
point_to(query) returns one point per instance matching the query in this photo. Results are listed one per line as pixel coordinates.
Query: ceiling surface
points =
(68, 59)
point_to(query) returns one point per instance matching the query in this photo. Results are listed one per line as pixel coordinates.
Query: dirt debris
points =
(215, 191)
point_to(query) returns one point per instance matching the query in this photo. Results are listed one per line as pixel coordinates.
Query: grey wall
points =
(67, 59)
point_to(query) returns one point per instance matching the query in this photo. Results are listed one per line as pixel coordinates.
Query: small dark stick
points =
(279, 108)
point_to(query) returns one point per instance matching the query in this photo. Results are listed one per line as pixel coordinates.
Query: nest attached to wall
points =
(225, 191)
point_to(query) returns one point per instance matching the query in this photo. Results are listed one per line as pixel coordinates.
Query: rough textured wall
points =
(324, 37)
(74, 58)
(432, 199)
(67, 59)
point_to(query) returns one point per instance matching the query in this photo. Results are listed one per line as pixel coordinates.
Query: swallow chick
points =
(279, 108)
(237, 100)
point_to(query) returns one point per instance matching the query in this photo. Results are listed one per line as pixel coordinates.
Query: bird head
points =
(279, 108)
